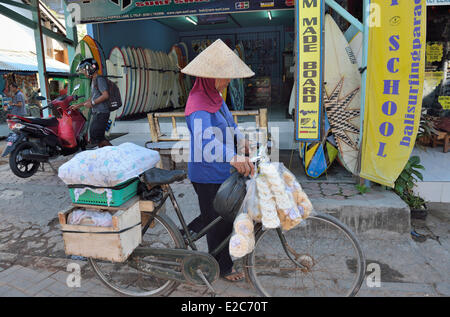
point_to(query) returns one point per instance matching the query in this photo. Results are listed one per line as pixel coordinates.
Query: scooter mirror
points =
(76, 88)
(40, 98)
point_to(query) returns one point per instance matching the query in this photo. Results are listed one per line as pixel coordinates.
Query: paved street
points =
(33, 262)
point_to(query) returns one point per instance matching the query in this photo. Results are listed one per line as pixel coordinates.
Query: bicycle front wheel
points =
(127, 280)
(331, 260)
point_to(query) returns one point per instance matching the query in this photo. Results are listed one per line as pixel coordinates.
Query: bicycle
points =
(292, 263)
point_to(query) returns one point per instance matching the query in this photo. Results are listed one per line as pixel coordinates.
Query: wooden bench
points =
(164, 144)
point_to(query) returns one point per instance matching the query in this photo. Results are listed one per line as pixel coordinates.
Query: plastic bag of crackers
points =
(242, 241)
(279, 196)
(275, 199)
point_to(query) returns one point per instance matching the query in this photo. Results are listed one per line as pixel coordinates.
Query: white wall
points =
(15, 36)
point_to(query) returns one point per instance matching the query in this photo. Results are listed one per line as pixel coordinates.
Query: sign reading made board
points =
(309, 27)
(115, 10)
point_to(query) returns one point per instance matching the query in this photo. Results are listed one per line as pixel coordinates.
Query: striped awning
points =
(27, 62)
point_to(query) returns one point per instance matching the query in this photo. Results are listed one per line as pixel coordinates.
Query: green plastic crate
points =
(119, 196)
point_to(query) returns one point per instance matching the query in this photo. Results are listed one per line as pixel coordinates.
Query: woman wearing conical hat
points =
(213, 138)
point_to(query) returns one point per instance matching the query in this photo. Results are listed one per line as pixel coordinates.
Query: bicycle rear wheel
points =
(332, 261)
(125, 279)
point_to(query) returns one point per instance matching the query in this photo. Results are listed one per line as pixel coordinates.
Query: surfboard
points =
(356, 44)
(318, 157)
(181, 77)
(165, 86)
(134, 82)
(83, 51)
(116, 68)
(140, 81)
(157, 67)
(148, 80)
(169, 78)
(84, 82)
(99, 56)
(129, 82)
(176, 98)
(143, 82)
(96, 53)
(188, 78)
(342, 97)
(154, 80)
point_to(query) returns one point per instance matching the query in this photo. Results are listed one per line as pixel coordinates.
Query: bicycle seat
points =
(158, 176)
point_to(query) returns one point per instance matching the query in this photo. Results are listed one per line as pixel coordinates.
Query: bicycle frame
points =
(191, 239)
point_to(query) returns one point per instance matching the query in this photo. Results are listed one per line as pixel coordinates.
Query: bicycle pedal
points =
(202, 276)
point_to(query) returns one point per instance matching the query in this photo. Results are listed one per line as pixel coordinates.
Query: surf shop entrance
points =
(143, 44)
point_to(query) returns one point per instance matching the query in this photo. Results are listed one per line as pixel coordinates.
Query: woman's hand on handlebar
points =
(243, 165)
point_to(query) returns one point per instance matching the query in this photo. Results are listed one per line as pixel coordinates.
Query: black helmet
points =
(230, 196)
(89, 64)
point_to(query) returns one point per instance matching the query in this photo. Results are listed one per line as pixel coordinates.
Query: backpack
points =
(114, 101)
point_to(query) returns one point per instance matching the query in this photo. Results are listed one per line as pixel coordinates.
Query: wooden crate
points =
(114, 243)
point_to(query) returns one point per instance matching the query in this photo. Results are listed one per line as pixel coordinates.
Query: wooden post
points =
(263, 118)
(156, 121)
(153, 132)
(174, 128)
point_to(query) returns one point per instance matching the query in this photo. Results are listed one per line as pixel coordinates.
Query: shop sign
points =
(438, 2)
(116, 10)
(394, 89)
(435, 52)
(309, 26)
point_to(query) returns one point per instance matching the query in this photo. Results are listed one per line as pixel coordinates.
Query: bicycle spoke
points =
(129, 279)
(321, 247)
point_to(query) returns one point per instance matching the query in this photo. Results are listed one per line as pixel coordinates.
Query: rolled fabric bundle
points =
(243, 224)
(239, 245)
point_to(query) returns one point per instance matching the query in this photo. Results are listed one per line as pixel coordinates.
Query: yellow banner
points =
(309, 69)
(394, 88)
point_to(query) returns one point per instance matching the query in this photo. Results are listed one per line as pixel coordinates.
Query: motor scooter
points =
(34, 141)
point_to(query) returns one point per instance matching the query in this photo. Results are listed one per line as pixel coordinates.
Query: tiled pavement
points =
(33, 263)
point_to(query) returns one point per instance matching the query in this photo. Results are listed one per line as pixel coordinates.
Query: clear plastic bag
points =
(242, 241)
(275, 199)
(301, 199)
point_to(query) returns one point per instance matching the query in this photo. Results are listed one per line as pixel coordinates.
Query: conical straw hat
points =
(218, 61)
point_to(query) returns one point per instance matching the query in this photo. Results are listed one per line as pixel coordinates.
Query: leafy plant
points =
(362, 188)
(406, 181)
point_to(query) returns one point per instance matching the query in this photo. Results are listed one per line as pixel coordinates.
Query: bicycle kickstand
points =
(202, 276)
(53, 169)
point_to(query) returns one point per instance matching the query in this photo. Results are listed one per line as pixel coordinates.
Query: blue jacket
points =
(212, 145)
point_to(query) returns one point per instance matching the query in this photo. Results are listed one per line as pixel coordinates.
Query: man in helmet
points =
(99, 96)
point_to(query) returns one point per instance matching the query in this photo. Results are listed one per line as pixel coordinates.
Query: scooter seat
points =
(47, 122)
(157, 176)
